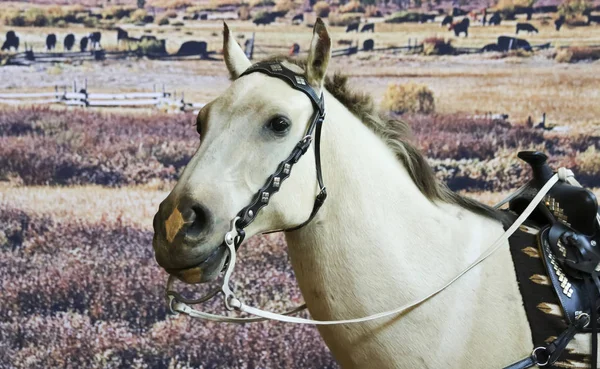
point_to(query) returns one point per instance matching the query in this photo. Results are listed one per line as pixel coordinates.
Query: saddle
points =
(568, 220)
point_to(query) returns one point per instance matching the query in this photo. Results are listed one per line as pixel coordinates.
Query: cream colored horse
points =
(387, 234)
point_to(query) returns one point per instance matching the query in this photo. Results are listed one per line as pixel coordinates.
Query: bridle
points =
(235, 236)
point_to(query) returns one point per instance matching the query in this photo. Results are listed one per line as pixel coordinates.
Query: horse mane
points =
(397, 135)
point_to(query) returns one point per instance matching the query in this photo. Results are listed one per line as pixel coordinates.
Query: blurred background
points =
(97, 112)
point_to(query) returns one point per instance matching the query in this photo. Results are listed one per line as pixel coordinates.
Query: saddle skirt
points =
(551, 298)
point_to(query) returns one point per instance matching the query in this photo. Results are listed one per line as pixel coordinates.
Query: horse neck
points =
(376, 231)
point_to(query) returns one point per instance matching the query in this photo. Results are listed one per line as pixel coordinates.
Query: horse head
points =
(245, 134)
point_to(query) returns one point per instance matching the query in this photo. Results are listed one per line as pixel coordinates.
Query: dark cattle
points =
(368, 45)
(298, 18)
(204, 16)
(265, 19)
(526, 27)
(12, 41)
(490, 47)
(559, 22)
(95, 40)
(506, 43)
(294, 50)
(121, 34)
(192, 48)
(424, 18)
(83, 43)
(69, 42)
(546, 9)
(593, 18)
(461, 27)
(50, 41)
(352, 27)
(368, 27)
(447, 20)
(278, 13)
(495, 19)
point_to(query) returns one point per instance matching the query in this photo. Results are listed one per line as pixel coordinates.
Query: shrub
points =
(437, 46)
(408, 97)
(138, 16)
(342, 20)
(321, 9)
(163, 21)
(572, 8)
(35, 17)
(90, 22)
(371, 11)
(576, 54)
(588, 162)
(151, 46)
(283, 5)
(171, 14)
(13, 17)
(403, 17)
(244, 13)
(352, 7)
(178, 24)
(117, 12)
(260, 3)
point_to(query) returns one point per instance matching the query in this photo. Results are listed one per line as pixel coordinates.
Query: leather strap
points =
(283, 171)
(528, 362)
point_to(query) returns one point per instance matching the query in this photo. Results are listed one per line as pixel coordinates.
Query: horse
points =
(368, 27)
(12, 41)
(68, 42)
(460, 27)
(526, 27)
(50, 41)
(387, 233)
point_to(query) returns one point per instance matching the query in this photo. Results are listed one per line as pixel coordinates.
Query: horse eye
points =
(279, 125)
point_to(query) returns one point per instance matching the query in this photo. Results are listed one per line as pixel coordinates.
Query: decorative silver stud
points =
(593, 242)
(300, 80)
(264, 197)
(286, 169)
(228, 238)
(276, 182)
(250, 213)
(276, 68)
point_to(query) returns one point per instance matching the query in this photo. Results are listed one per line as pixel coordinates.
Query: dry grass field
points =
(79, 187)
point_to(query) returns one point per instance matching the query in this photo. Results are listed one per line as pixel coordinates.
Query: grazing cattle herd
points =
(458, 21)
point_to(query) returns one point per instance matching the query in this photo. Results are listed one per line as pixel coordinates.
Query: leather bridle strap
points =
(283, 171)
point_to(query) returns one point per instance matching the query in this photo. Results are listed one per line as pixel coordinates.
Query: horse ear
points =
(319, 55)
(235, 58)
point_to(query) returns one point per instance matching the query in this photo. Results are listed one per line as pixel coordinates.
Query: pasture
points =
(79, 187)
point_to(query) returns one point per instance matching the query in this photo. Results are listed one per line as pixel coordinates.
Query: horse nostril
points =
(198, 220)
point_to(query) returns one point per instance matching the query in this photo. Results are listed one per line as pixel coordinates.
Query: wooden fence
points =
(83, 98)
(30, 57)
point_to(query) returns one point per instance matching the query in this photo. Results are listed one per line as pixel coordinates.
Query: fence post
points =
(74, 86)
